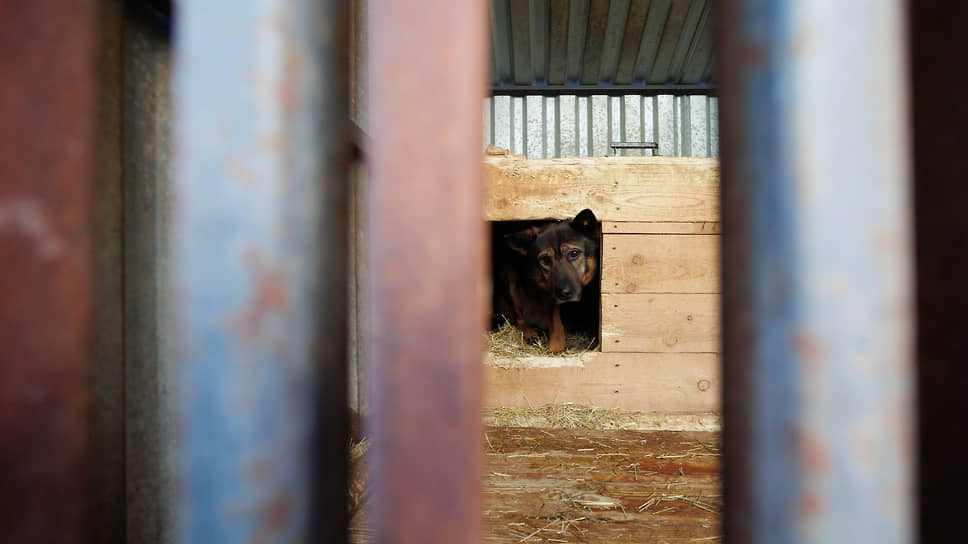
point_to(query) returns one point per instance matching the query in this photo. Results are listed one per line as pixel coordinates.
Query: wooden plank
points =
(616, 188)
(550, 416)
(584, 485)
(578, 485)
(660, 263)
(631, 381)
(660, 227)
(682, 323)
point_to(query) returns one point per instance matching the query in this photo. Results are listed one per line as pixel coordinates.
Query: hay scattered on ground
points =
(566, 416)
(576, 416)
(357, 476)
(508, 342)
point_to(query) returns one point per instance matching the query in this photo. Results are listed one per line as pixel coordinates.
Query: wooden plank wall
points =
(660, 280)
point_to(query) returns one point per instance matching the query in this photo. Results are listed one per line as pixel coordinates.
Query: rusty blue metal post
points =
(260, 153)
(819, 411)
(426, 274)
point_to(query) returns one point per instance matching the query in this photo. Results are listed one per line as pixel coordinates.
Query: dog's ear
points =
(585, 223)
(521, 241)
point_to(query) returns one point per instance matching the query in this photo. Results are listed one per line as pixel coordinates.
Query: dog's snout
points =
(565, 291)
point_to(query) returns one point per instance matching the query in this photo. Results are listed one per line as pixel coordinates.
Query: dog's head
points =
(562, 256)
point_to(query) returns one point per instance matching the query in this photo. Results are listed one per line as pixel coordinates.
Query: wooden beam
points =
(640, 420)
(615, 188)
(660, 227)
(659, 263)
(685, 382)
(661, 323)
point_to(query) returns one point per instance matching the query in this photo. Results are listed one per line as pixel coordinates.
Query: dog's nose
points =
(565, 292)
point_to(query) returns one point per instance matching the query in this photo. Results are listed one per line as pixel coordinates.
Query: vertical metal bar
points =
(427, 270)
(817, 294)
(147, 285)
(260, 243)
(47, 127)
(939, 84)
(109, 413)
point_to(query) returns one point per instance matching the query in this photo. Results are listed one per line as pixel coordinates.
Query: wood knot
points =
(637, 259)
(704, 385)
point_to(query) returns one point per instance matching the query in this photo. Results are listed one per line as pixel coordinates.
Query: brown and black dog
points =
(543, 268)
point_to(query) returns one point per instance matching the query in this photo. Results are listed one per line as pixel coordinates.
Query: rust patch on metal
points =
(809, 348)
(810, 504)
(269, 295)
(276, 513)
(813, 453)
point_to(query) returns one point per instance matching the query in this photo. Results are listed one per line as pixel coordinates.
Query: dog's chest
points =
(536, 313)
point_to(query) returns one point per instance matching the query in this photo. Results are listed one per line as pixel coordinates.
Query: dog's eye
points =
(545, 260)
(574, 254)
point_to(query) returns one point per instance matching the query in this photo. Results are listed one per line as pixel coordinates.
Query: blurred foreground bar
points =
(818, 306)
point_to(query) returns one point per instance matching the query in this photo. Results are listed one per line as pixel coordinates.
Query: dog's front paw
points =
(556, 345)
(530, 334)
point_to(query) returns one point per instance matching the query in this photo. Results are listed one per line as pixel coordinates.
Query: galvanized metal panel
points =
(551, 125)
(666, 126)
(594, 40)
(615, 107)
(557, 42)
(698, 115)
(686, 42)
(521, 41)
(519, 125)
(599, 129)
(577, 29)
(261, 189)
(488, 116)
(632, 124)
(618, 12)
(601, 42)
(567, 126)
(651, 36)
(502, 122)
(631, 40)
(536, 126)
(684, 126)
(695, 65)
(818, 318)
(712, 127)
(540, 38)
(501, 40)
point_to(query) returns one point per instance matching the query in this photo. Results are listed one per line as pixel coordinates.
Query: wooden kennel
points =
(660, 304)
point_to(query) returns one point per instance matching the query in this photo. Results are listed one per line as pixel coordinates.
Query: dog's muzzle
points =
(566, 294)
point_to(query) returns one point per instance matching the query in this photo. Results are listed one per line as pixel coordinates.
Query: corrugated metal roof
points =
(602, 42)
(585, 126)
